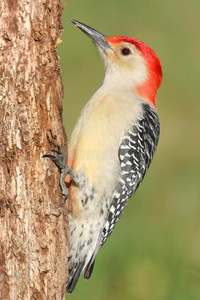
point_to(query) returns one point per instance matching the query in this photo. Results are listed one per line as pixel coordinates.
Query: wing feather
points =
(135, 154)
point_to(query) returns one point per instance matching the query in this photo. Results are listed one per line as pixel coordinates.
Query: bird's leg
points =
(64, 170)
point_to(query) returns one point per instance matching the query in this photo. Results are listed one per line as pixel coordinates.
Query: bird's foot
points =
(64, 170)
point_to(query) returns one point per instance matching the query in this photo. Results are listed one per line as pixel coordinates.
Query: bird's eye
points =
(125, 51)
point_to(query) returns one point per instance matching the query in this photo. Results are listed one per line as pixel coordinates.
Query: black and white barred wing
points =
(135, 155)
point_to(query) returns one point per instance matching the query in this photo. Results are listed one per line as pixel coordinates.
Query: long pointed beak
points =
(99, 38)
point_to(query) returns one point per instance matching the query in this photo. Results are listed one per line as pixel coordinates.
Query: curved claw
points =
(63, 167)
(58, 160)
(56, 151)
(60, 154)
(48, 155)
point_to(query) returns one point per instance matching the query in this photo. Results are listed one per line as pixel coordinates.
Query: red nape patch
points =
(148, 88)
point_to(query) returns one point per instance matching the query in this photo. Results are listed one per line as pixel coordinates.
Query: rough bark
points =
(33, 230)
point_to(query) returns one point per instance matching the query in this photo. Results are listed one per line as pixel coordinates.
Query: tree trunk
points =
(33, 230)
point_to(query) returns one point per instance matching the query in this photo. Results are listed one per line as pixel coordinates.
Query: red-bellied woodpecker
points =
(111, 147)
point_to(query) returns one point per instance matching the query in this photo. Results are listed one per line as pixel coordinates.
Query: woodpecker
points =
(111, 146)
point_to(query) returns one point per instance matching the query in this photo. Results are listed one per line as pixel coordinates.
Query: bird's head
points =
(130, 64)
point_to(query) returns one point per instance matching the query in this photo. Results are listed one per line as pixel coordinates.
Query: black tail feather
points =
(89, 268)
(74, 275)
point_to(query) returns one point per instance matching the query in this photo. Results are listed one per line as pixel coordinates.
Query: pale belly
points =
(93, 147)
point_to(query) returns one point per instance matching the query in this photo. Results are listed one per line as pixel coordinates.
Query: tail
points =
(74, 275)
(90, 265)
(89, 268)
(76, 271)
(79, 267)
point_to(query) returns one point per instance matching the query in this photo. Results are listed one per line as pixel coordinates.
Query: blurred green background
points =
(154, 251)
